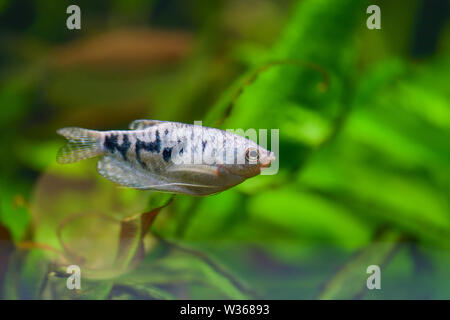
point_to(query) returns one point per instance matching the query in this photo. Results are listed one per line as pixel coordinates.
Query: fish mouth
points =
(268, 162)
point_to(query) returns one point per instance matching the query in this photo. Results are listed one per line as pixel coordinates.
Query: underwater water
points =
(362, 118)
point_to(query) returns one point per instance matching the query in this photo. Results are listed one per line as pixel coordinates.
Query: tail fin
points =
(83, 144)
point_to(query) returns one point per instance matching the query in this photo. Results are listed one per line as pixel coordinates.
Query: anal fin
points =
(123, 173)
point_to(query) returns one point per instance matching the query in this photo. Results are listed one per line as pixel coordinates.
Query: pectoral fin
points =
(195, 169)
(204, 176)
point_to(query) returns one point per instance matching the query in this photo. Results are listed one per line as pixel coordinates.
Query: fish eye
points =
(252, 155)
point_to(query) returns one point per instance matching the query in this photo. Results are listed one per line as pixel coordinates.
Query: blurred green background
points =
(364, 149)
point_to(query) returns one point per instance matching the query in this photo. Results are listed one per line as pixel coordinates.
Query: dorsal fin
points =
(142, 124)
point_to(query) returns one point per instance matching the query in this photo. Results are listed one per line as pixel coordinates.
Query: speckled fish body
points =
(168, 156)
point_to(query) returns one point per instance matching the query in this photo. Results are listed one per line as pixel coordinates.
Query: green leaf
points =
(27, 275)
(351, 279)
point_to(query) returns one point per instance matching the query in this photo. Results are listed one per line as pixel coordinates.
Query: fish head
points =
(249, 160)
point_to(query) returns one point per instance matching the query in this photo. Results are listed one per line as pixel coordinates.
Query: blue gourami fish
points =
(168, 156)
